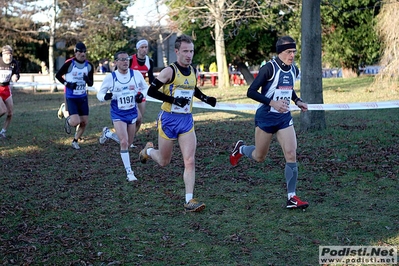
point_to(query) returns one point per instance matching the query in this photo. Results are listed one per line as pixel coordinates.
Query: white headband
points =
(140, 43)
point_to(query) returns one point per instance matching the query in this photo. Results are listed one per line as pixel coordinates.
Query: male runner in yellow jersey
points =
(176, 86)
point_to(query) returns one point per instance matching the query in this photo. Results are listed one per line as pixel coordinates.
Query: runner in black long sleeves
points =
(276, 80)
(75, 74)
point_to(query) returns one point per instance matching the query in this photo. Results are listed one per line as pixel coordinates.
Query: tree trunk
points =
(223, 72)
(51, 46)
(311, 69)
(242, 67)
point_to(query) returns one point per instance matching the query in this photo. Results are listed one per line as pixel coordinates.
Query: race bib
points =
(187, 94)
(126, 99)
(5, 76)
(80, 89)
(281, 95)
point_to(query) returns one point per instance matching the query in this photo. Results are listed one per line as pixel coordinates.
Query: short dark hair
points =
(118, 53)
(182, 38)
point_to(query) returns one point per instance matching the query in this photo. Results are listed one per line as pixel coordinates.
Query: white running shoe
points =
(103, 138)
(133, 146)
(60, 113)
(75, 145)
(131, 177)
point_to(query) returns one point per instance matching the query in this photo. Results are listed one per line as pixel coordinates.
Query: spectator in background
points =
(101, 69)
(143, 63)
(112, 66)
(106, 65)
(263, 63)
(9, 71)
(201, 76)
(44, 69)
(214, 69)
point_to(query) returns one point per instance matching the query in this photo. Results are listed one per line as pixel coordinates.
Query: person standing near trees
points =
(213, 68)
(9, 71)
(122, 87)
(143, 63)
(276, 80)
(75, 74)
(176, 85)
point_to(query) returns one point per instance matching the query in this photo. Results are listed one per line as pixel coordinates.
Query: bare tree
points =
(218, 14)
(311, 69)
(386, 19)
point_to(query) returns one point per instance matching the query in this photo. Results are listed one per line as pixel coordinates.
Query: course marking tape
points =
(254, 107)
(313, 107)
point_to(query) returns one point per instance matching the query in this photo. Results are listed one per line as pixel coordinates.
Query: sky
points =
(144, 12)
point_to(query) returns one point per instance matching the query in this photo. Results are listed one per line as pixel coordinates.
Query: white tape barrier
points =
(313, 107)
(253, 107)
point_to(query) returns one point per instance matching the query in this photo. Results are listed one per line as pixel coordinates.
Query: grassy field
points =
(59, 206)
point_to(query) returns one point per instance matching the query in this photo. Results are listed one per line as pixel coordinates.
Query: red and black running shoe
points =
(296, 203)
(235, 153)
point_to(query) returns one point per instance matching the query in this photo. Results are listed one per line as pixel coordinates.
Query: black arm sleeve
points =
(265, 73)
(198, 94)
(63, 70)
(151, 72)
(90, 76)
(154, 92)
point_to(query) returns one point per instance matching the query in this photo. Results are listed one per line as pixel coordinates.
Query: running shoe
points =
(103, 138)
(133, 146)
(67, 126)
(60, 112)
(131, 177)
(143, 156)
(194, 206)
(296, 203)
(3, 135)
(75, 145)
(235, 153)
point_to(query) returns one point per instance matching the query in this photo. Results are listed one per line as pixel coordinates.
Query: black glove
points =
(139, 97)
(108, 96)
(210, 100)
(86, 78)
(180, 101)
(71, 85)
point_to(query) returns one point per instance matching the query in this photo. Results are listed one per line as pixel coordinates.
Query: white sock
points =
(149, 151)
(189, 196)
(290, 195)
(3, 130)
(126, 161)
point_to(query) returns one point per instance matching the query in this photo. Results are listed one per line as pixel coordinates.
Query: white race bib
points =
(80, 89)
(126, 99)
(188, 94)
(281, 95)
